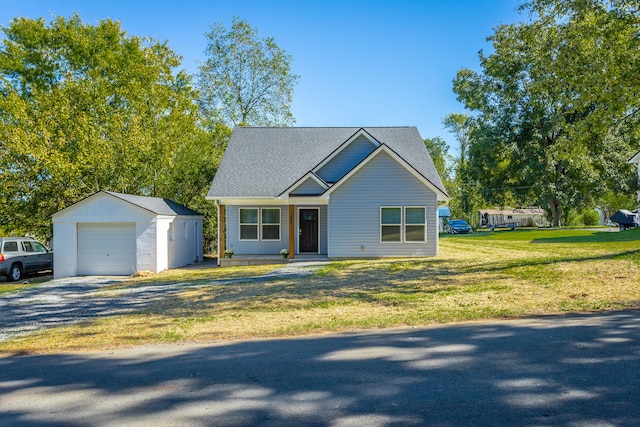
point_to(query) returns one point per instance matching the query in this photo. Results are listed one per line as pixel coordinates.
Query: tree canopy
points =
(555, 104)
(246, 79)
(87, 108)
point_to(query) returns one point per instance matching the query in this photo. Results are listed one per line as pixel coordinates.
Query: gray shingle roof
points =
(156, 205)
(263, 162)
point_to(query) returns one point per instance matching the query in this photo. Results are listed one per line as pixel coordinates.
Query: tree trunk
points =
(556, 211)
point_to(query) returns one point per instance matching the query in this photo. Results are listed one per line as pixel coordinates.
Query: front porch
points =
(269, 259)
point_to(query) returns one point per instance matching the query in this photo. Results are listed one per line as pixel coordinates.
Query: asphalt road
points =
(575, 370)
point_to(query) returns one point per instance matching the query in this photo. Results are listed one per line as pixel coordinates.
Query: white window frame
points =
(259, 225)
(279, 224)
(403, 225)
(240, 224)
(391, 225)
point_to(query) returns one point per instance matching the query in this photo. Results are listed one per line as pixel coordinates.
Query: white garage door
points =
(106, 249)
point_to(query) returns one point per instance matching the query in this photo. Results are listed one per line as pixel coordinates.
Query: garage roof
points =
(156, 205)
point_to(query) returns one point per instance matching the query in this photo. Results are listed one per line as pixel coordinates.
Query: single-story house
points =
(636, 159)
(337, 192)
(120, 234)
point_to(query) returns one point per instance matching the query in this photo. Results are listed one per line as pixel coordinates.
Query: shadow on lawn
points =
(566, 370)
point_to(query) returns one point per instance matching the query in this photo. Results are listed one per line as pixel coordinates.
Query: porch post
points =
(222, 231)
(292, 223)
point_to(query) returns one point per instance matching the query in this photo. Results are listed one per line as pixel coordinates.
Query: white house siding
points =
(346, 159)
(250, 247)
(354, 211)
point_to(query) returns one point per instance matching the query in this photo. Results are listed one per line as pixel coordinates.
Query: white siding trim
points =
(270, 201)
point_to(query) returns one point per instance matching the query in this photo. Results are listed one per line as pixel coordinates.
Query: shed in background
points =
(518, 217)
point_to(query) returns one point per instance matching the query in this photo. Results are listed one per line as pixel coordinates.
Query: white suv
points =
(22, 255)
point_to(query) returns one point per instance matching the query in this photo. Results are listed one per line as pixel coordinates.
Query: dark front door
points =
(308, 230)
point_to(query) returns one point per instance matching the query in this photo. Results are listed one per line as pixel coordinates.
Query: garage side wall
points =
(184, 241)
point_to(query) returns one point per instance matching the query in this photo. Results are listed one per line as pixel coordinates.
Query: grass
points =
(7, 287)
(479, 276)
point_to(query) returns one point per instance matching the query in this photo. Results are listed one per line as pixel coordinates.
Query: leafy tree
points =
(193, 169)
(86, 108)
(439, 151)
(555, 104)
(246, 80)
(466, 198)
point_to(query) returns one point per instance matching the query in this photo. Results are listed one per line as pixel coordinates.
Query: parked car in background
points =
(23, 255)
(458, 226)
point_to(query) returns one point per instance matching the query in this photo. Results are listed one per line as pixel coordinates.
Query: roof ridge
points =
(326, 127)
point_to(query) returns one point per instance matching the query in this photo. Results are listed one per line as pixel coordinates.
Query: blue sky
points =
(361, 63)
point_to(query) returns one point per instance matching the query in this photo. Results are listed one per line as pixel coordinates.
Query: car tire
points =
(15, 273)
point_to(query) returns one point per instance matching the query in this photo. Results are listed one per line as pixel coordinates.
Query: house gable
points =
(355, 210)
(308, 185)
(346, 157)
(103, 207)
(441, 196)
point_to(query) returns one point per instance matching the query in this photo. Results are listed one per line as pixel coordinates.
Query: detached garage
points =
(118, 234)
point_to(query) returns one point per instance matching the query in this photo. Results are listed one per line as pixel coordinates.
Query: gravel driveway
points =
(76, 299)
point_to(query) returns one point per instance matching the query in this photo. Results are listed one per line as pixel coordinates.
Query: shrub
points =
(590, 217)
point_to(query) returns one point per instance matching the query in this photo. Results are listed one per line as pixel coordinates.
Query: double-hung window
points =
(403, 224)
(415, 219)
(270, 223)
(249, 223)
(391, 224)
(259, 224)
